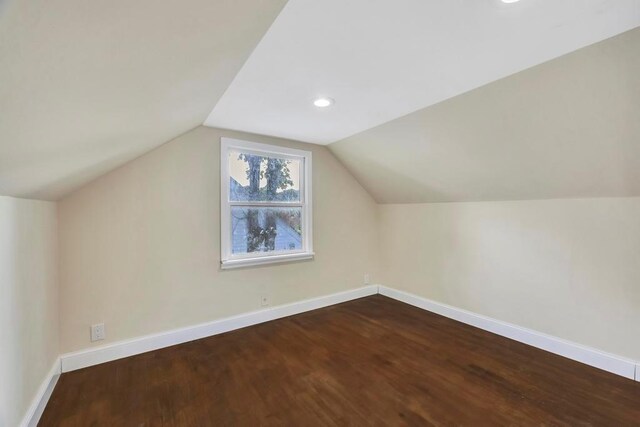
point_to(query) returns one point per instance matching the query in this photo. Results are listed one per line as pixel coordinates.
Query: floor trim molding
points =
(609, 362)
(587, 355)
(126, 348)
(41, 398)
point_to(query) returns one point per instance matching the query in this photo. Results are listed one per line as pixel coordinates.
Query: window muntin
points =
(266, 203)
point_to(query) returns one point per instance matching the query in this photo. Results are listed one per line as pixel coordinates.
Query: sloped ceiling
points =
(382, 59)
(566, 128)
(86, 85)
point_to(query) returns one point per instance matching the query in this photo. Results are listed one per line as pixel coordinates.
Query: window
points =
(266, 204)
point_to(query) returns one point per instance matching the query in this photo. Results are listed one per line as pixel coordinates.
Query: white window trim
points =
(229, 260)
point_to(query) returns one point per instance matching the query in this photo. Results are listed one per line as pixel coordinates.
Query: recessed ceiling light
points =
(323, 102)
(510, 1)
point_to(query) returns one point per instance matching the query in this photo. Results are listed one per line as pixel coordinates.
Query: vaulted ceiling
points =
(567, 128)
(88, 86)
(380, 59)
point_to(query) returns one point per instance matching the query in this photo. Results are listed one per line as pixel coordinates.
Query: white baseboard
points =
(590, 356)
(41, 398)
(587, 355)
(81, 359)
(118, 350)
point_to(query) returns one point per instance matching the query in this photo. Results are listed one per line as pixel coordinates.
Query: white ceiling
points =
(87, 85)
(382, 59)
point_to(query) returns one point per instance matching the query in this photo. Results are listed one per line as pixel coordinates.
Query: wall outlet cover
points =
(264, 300)
(97, 332)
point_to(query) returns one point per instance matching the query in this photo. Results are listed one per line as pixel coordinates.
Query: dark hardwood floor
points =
(373, 361)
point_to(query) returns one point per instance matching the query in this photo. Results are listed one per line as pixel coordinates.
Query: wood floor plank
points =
(372, 361)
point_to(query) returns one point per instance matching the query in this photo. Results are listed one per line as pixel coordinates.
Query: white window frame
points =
(228, 258)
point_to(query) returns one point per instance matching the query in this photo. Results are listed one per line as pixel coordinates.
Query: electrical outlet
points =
(97, 332)
(366, 279)
(264, 300)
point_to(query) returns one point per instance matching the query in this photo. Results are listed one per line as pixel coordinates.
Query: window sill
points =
(248, 262)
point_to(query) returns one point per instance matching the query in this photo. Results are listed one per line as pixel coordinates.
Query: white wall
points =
(28, 302)
(140, 247)
(568, 268)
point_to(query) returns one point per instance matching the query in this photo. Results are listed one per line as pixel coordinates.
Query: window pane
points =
(264, 179)
(265, 229)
